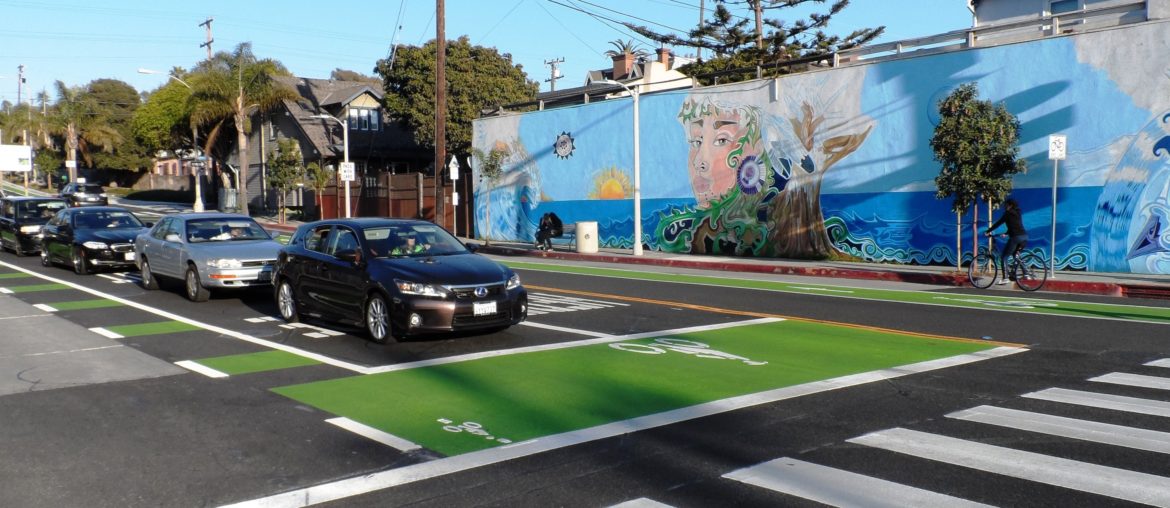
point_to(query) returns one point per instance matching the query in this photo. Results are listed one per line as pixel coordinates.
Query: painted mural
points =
(836, 163)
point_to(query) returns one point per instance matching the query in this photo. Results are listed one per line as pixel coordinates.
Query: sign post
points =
(1057, 145)
(453, 170)
(347, 175)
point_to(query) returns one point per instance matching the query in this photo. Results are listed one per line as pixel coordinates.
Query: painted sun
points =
(611, 183)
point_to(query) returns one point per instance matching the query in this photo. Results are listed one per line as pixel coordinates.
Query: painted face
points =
(714, 142)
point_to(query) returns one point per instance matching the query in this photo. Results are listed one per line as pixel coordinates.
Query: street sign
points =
(453, 168)
(347, 172)
(1057, 143)
(16, 158)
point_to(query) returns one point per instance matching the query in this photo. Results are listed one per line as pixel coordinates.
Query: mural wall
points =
(837, 163)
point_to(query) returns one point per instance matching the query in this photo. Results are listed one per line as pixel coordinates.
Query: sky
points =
(77, 41)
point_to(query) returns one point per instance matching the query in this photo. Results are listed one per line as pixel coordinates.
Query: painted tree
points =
(737, 44)
(977, 143)
(230, 87)
(286, 168)
(491, 167)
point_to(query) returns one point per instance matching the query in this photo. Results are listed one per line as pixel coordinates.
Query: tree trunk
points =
(797, 228)
(242, 158)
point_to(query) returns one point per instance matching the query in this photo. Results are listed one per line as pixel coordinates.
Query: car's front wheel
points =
(195, 290)
(378, 318)
(45, 261)
(286, 302)
(80, 265)
(148, 279)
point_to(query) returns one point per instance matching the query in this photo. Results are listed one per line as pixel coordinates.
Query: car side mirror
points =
(172, 237)
(473, 247)
(350, 255)
(148, 224)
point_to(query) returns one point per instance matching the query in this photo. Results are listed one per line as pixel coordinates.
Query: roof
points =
(328, 96)
(208, 215)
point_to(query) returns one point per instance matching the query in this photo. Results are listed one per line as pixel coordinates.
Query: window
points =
(164, 228)
(343, 240)
(1063, 6)
(315, 241)
(362, 119)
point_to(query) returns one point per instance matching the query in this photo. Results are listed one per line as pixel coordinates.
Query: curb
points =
(951, 279)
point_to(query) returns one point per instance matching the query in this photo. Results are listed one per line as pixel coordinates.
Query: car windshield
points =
(89, 189)
(224, 230)
(411, 240)
(105, 219)
(38, 209)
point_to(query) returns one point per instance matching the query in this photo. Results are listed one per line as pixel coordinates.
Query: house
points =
(1103, 12)
(376, 143)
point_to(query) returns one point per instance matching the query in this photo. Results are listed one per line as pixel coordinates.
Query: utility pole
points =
(758, 6)
(554, 73)
(210, 40)
(19, 81)
(699, 54)
(440, 106)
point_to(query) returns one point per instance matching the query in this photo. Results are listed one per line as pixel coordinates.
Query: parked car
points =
(394, 277)
(21, 220)
(206, 251)
(91, 238)
(84, 194)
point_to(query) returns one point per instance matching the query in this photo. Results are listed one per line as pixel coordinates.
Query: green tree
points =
(623, 48)
(491, 168)
(286, 168)
(230, 87)
(738, 44)
(75, 118)
(162, 123)
(317, 178)
(348, 75)
(977, 144)
(114, 105)
(477, 78)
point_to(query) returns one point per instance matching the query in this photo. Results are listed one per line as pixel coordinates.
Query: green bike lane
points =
(1033, 305)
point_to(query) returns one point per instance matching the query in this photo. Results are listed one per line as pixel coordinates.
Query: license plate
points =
(129, 256)
(484, 308)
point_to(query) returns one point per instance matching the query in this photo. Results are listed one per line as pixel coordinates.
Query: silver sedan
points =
(206, 251)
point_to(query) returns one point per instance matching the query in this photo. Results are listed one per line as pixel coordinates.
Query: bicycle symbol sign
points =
(687, 347)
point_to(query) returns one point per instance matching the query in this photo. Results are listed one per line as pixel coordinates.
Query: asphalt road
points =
(110, 420)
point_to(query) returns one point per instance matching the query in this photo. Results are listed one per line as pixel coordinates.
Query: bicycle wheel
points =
(1031, 272)
(982, 270)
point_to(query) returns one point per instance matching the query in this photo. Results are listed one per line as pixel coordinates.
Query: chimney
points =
(622, 65)
(664, 57)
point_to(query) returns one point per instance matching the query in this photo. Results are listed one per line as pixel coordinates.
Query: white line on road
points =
(1103, 401)
(369, 432)
(1165, 362)
(400, 476)
(1071, 474)
(1138, 380)
(836, 487)
(45, 307)
(202, 369)
(23, 317)
(641, 502)
(1097, 432)
(82, 350)
(105, 333)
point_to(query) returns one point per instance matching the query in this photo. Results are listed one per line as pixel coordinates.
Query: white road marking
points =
(82, 350)
(400, 476)
(807, 288)
(641, 502)
(1165, 362)
(23, 317)
(115, 279)
(1071, 474)
(371, 433)
(211, 328)
(836, 487)
(317, 333)
(105, 333)
(1097, 432)
(5, 291)
(200, 368)
(45, 307)
(1103, 401)
(1139, 380)
(263, 319)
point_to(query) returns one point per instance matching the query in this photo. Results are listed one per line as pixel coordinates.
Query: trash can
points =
(586, 237)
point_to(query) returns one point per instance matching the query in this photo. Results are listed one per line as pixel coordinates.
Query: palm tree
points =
(232, 86)
(75, 119)
(624, 48)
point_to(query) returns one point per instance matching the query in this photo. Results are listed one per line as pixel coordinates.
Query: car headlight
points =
(513, 281)
(95, 245)
(224, 263)
(30, 229)
(418, 288)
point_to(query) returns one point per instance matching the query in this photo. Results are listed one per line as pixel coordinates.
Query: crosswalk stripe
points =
(200, 368)
(573, 299)
(373, 434)
(1138, 380)
(836, 487)
(1103, 401)
(106, 333)
(1070, 474)
(1097, 432)
(1165, 362)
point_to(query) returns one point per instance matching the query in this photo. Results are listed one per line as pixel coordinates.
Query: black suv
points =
(84, 194)
(21, 219)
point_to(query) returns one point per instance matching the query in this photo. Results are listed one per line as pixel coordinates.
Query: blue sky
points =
(77, 41)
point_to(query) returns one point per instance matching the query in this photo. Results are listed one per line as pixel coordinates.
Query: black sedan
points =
(90, 238)
(394, 277)
(21, 219)
(84, 194)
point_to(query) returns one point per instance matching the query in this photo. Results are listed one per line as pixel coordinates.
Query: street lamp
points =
(346, 166)
(637, 169)
(198, 205)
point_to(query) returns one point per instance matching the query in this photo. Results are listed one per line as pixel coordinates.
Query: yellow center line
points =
(734, 312)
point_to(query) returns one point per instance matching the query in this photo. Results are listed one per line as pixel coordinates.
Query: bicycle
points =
(1028, 270)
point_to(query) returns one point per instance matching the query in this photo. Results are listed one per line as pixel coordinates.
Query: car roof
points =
(207, 215)
(97, 209)
(365, 222)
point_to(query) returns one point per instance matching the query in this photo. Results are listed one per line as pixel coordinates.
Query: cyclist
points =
(1017, 235)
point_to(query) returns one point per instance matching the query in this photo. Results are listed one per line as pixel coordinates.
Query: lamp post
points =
(198, 204)
(346, 165)
(637, 170)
